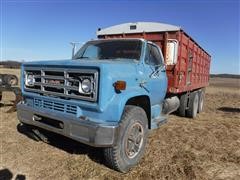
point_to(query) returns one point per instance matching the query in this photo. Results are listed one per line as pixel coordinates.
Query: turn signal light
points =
(120, 85)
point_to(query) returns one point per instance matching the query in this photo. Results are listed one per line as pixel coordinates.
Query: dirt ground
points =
(205, 148)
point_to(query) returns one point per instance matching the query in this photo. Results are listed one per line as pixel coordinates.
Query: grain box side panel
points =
(192, 68)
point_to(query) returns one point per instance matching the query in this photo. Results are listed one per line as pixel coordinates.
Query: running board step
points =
(158, 122)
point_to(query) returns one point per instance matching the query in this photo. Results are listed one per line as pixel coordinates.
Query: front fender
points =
(116, 106)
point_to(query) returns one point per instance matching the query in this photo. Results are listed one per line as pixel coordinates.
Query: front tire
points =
(131, 141)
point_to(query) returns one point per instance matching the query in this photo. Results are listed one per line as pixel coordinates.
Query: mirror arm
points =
(74, 46)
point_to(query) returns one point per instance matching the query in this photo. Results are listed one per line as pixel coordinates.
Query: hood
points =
(77, 63)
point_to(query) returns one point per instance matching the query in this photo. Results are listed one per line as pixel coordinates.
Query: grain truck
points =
(117, 88)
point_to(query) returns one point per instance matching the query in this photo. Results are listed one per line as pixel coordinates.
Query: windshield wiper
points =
(83, 57)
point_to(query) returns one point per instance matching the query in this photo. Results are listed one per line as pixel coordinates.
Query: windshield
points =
(110, 49)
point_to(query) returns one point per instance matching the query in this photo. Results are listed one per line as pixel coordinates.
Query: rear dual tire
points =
(201, 94)
(193, 105)
(190, 106)
(183, 105)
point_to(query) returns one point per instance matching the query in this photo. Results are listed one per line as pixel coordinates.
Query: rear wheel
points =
(131, 142)
(183, 105)
(193, 105)
(201, 100)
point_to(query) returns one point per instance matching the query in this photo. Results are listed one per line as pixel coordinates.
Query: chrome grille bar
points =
(62, 82)
(57, 86)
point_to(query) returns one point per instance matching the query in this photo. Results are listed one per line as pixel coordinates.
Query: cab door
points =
(155, 73)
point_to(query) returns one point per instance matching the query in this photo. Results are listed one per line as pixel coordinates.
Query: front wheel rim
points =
(134, 140)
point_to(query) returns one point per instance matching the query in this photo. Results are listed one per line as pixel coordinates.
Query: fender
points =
(116, 107)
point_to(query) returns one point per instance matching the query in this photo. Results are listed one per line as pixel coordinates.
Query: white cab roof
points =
(138, 27)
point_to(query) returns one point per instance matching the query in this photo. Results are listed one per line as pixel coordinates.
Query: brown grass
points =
(205, 148)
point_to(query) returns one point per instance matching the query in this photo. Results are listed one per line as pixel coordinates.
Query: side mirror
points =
(172, 52)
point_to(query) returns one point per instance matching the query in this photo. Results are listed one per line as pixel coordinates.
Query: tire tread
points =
(190, 110)
(111, 153)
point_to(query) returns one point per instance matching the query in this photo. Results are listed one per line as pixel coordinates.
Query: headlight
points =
(1, 80)
(85, 86)
(29, 80)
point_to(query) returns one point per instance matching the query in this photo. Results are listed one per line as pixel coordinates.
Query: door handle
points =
(142, 83)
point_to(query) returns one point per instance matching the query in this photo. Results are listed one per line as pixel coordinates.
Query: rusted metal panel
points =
(193, 63)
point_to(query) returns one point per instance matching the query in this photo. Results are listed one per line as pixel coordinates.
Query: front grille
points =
(55, 106)
(62, 82)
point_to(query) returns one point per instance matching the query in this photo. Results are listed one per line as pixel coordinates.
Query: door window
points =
(153, 56)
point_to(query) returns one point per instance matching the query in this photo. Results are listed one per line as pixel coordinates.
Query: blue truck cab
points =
(110, 94)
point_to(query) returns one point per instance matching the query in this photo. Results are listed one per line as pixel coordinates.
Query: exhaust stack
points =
(170, 105)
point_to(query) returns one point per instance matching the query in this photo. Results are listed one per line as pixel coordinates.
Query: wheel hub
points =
(134, 140)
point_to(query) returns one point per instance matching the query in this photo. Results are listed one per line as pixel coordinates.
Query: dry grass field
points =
(207, 147)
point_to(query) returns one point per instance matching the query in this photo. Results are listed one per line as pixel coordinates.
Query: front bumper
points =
(84, 131)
